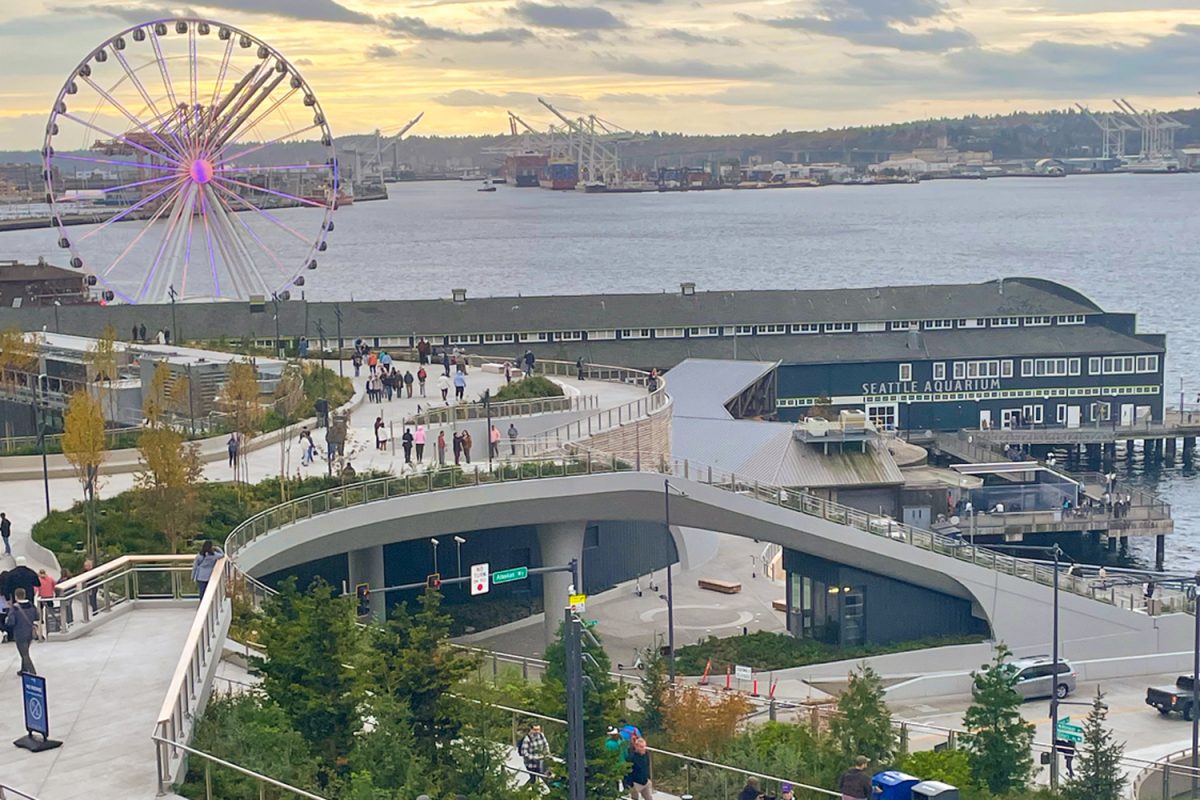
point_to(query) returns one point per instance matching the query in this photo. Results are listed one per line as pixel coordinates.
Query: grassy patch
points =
(764, 650)
(530, 388)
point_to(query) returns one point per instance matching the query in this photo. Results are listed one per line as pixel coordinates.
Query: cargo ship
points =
(560, 174)
(525, 169)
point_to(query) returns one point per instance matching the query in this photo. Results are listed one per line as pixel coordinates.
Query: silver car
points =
(1036, 678)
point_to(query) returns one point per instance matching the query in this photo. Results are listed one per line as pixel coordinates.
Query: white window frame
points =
(1026, 367)
(1071, 319)
(1006, 322)
(704, 330)
(569, 336)
(1073, 366)
(1119, 365)
(960, 370)
(773, 329)
(972, 323)
(1060, 415)
(937, 324)
(939, 370)
(601, 335)
(497, 338)
(806, 327)
(838, 327)
(906, 372)
(1094, 364)
(669, 333)
(871, 327)
(903, 324)
(635, 333)
(743, 330)
(1036, 321)
(1006, 368)
(1147, 364)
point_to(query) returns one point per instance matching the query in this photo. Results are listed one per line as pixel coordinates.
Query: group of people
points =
(386, 381)
(138, 334)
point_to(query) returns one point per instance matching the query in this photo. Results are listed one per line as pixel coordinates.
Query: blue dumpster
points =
(893, 785)
(934, 790)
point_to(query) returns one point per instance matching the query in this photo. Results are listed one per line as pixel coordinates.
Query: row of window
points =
(994, 394)
(1039, 367)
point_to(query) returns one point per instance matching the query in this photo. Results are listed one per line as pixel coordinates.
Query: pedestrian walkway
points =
(104, 693)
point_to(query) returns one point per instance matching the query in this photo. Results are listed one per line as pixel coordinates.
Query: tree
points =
(997, 739)
(948, 766)
(83, 447)
(701, 724)
(240, 402)
(863, 725)
(169, 480)
(289, 396)
(1098, 771)
(655, 692)
(18, 360)
(314, 647)
(103, 361)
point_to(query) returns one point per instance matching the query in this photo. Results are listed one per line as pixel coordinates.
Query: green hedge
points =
(531, 388)
(765, 650)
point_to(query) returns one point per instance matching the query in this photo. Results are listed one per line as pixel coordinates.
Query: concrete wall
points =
(1018, 610)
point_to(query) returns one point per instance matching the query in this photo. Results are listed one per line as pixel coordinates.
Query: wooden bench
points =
(724, 587)
(780, 605)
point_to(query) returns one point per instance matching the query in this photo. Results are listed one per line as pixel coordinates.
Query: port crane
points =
(592, 143)
(1113, 128)
(374, 165)
(366, 174)
(1158, 131)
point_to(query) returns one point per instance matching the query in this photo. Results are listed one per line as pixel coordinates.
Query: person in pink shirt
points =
(494, 442)
(419, 440)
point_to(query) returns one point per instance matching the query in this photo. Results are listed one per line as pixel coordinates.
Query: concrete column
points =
(559, 542)
(1112, 544)
(1129, 449)
(1093, 452)
(1160, 548)
(366, 566)
(1189, 444)
(1172, 444)
(1110, 452)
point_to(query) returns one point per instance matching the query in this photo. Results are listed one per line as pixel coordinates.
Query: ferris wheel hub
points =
(201, 171)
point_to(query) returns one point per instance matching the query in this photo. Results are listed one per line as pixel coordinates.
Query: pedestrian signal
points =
(363, 592)
(434, 581)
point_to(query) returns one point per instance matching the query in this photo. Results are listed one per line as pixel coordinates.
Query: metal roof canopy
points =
(1008, 468)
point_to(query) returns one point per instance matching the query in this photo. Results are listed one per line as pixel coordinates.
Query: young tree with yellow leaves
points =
(240, 401)
(103, 361)
(18, 360)
(169, 483)
(83, 445)
(700, 724)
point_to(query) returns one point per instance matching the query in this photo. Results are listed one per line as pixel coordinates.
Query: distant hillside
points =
(1016, 135)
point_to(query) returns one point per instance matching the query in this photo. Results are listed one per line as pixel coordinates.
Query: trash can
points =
(934, 790)
(893, 785)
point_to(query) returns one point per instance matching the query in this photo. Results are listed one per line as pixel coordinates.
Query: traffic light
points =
(363, 592)
(434, 581)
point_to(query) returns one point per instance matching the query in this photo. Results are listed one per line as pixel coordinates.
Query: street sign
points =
(510, 575)
(1064, 724)
(33, 690)
(1070, 737)
(480, 575)
(578, 602)
(743, 673)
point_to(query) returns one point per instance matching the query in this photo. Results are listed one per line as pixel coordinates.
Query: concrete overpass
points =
(1013, 596)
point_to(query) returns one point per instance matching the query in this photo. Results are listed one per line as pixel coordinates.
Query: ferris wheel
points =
(204, 156)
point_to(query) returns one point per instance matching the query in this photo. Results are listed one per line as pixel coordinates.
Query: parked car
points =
(1172, 698)
(1036, 677)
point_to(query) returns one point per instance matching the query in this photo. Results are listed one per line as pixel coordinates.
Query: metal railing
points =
(261, 781)
(9, 793)
(1163, 779)
(579, 460)
(443, 415)
(90, 599)
(191, 683)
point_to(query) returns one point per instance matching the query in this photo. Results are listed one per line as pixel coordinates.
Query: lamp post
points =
(57, 329)
(337, 312)
(667, 489)
(324, 380)
(435, 544)
(39, 421)
(278, 344)
(458, 543)
(174, 322)
(487, 408)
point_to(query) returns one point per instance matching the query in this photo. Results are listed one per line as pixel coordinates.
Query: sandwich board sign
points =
(37, 715)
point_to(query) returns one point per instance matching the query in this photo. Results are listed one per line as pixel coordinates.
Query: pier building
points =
(1003, 354)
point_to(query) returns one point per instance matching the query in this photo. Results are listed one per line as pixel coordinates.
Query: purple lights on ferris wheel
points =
(167, 120)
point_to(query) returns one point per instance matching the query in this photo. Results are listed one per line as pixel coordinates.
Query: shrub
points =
(530, 388)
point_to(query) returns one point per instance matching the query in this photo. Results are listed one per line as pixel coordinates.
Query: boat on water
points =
(560, 174)
(472, 175)
(345, 196)
(487, 186)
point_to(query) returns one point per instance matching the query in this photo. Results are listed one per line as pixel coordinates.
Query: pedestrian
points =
(639, 776)
(529, 360)
(160, 337)
(421, 376)
(422, 351)
(21, 577)
(408, 382)
(46, 584)
(494, 442)
(166, 336)
(303, 347)
(787, 792)
(389, 381)
(441, 448)
(385, 360)
(142, 332)
(444, 385)
(134, 337)
(619, 748)
(855, 783)
(629, 731)
(466, 442)
(512, 437)
(94, 592)
(330, 445)
(5, 532)
(406, 441)
(750, 791)
(446, 363)
(356, 360)
(460, 385)
(534, 748)
(457, 447)
(379, 433)
(203, 565)
(579, 368)
(305, 449)
(1066, 748)
(21, 623)
(419, 442)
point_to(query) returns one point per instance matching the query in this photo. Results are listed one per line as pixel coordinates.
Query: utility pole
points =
(487, 407)
(174, 322)
(576, 759)
(337, 312)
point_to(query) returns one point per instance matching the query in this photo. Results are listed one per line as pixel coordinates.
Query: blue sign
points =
(33, 690)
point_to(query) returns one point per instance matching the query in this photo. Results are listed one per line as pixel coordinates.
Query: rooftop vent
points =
(458, 295)
(914, 341)
(687, 289)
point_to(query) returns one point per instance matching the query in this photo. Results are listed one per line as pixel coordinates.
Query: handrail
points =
(1166, 765)
(165, 743)
(442, 414)
(111, 586)
(188, 693)
(639, 410)
(9, 793)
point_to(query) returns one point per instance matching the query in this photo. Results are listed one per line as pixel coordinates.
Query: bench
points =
(780, 604)
(724, 587)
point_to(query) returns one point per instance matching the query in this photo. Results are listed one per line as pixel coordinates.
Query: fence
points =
(1166, 778)
(210, 761)
(9, 793)
(508, 408)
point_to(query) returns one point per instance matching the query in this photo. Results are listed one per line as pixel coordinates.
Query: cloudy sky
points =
(696, 66)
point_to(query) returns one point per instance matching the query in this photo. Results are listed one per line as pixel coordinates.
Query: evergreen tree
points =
(998, 741)
(863, 725)
(655, 689)
(1098, 773)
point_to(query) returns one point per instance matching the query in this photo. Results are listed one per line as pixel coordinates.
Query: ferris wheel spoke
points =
(241, 265)
(238, 135)
(117, 104)
(178, 205)
(136, 184)
(117, 137)
(208, 238)
(249, 102)
(187, 252)
(194, 62)
(150, 104)
(284, 195)
(113, 162)
(162, 67)
(276, 168)
(222, 71)
(262, 245)
(140, 204)
(257, 147)
(232, 103)
(261, 211)
(142, 233)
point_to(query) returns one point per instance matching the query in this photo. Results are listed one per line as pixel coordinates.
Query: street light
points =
(458, 543)
(487, 408)
(667, 489)
(337, 312)
(278, 344)
(435, 544)
(174, 322)
(57, 329)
